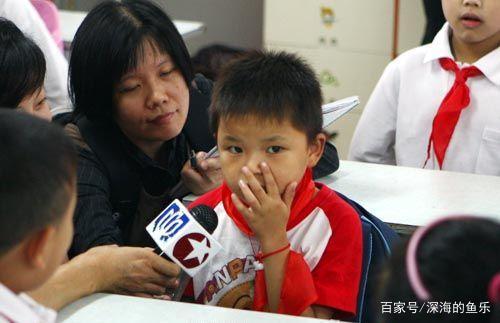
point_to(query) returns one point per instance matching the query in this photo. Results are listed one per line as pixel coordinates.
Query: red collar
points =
(303, 195)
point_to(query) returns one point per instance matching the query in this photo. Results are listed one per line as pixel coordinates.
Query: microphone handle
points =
(177, 293)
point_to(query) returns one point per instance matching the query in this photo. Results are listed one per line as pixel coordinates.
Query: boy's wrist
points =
(273, 243)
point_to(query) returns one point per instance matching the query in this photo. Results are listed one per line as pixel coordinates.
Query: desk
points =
(104, 308)
(409, 197)
(71, 20)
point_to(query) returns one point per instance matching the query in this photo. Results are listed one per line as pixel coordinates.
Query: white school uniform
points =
(397, 120)
(22, 309)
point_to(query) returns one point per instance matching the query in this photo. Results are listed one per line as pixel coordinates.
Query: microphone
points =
(208, 219)
(186, 238)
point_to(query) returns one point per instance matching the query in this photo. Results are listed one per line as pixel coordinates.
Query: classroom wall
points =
(233, 22)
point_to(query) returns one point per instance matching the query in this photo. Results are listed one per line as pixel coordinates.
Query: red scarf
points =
(454, 102)
(298, 291)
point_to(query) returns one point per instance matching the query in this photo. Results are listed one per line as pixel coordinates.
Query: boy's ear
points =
(316, 148)
(36, 247)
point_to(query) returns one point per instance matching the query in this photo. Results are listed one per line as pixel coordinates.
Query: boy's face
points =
(250, 141)
(473, 21)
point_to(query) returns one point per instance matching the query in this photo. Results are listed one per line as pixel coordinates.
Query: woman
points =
(139, 112)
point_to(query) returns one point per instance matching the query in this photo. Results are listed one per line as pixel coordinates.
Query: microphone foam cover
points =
(205, 216)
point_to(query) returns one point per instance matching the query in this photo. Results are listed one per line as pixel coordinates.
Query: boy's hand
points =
(268, 212)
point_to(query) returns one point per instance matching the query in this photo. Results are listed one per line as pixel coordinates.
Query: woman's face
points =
(36, 104)
(151, 101)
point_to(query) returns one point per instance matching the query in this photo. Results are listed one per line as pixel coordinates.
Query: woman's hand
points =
(113, 269)
(131, 270)
(205, 177)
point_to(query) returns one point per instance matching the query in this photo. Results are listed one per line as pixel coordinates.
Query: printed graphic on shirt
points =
(240, 297)
(231, 285)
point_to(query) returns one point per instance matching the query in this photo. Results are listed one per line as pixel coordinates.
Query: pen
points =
(212, 153)
(193, 161)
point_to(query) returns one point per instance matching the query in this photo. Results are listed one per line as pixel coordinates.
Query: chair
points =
(378, 240)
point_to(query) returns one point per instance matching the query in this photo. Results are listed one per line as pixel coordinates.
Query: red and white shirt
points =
(327, 234)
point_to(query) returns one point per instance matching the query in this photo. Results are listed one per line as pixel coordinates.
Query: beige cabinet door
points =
(351, 25)
(292, 22)
(364, 26)
(340, 78)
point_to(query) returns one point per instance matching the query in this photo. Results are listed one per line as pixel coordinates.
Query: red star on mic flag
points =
(192, 250)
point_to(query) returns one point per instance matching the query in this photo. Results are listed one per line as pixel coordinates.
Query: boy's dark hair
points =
(109, 43)
(456, 261)
(210, 60)
(22, 65)
(37, 175)
(272, 86)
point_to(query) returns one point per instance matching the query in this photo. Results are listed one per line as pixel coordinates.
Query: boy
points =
(290, 245)
(421, 113)
(37, 200)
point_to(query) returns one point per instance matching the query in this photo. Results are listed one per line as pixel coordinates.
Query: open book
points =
(331, 112)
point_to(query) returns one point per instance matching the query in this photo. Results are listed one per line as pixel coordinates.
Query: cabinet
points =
(347, 42)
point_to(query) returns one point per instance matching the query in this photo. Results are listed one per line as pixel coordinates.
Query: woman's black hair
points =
(456, 261)
(22, 65)
(109, 43)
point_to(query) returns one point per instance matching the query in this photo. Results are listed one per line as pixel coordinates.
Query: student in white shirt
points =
(407, 120)
(26, 18)
(37, 201)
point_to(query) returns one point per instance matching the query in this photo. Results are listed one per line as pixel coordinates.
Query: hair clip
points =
(411, 255)
(494, 289)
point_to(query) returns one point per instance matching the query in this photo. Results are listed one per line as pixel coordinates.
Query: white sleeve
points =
(26, 18)
(374, 137)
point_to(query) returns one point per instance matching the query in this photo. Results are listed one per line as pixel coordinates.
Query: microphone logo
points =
(192, 250)
(169, 222)
(182, 238)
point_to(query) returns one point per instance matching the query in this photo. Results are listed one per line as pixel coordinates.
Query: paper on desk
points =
(331, 112)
